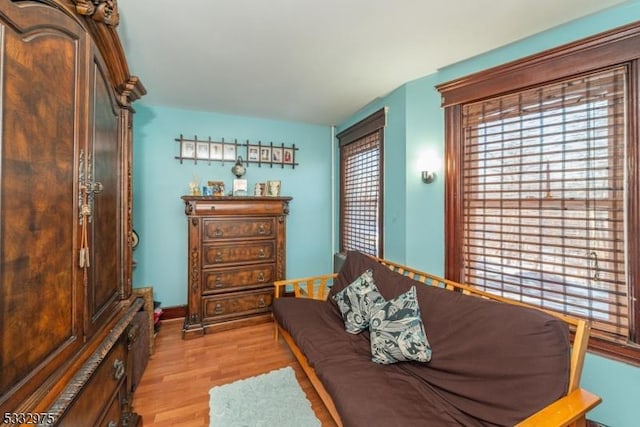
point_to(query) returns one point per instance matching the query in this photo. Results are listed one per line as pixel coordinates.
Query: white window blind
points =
(544, 197)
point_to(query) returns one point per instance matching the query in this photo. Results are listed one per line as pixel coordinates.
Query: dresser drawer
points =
(238, 228)
(104, 384)
(223, 307)
(207, 207)
(223, 280)
(238, 253)
(113, 416)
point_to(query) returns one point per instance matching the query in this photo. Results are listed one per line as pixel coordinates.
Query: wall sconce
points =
(428, 176)
(429, 163)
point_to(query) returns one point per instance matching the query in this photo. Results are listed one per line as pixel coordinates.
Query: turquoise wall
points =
(618, 384)
(160, 180)
(420, 244)
(425, 202)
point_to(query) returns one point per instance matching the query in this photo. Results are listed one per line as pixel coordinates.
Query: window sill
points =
(620, 352)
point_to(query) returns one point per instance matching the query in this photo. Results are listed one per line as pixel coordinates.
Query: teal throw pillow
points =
(397, 332)
(357, 301)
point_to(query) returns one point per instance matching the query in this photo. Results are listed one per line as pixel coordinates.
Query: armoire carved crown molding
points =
(104, 11)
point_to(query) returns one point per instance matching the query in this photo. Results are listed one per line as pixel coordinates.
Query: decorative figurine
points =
(194, 186)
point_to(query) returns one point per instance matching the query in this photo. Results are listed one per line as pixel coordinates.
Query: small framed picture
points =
(202, 150)
(229, 152)
(188, 149)
(217, 188)
(287, 155)
(253, 154)
(265, 154)
(273, 188)
(276, 155)
(215, 151)
(239, 187)
(258, 189)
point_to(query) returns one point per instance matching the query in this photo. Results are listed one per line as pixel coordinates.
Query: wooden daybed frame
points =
(570, 410)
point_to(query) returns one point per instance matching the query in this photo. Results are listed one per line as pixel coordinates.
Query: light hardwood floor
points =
(174, 389)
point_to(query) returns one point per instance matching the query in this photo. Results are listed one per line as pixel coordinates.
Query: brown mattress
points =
(492, 363)
(365, 393)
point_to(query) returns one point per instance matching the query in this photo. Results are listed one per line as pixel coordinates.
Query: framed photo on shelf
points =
(187, 149)
(276, 155)
(239, 187)
(265, 154)
(217, 188)
(287, 155)
(258, 189)
(253, 153)
(229, 152)
(202, 150)
(273, 188)
(215, 151)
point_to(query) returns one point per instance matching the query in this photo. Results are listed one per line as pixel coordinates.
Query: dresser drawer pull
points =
(219, 282)
(261, 303)
(219, 309)
(218, 256)
(261, 277)
(218, 232)
(132, 336)
(112, 424)
(262, 230)
(118, 369)
(261, 253)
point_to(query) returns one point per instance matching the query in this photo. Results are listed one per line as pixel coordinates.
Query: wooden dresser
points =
(236, 250)
(66, 304)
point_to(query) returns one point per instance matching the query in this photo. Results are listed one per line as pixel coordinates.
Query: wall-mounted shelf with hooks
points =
(260, 153)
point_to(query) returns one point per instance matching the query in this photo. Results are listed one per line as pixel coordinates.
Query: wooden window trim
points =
(599, 51)
(618, 46)
(364, 127)
(371, 124)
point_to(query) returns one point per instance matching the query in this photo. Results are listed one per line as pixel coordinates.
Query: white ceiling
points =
(314, 61)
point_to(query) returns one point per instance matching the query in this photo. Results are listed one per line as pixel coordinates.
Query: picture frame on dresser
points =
(217, 188)
(258, 189)
(273, 188)
(239, 187)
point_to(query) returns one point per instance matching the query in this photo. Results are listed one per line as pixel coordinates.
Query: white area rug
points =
(274, 399)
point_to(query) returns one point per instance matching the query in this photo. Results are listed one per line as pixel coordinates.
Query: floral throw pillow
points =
(357, 301)
(397, 332)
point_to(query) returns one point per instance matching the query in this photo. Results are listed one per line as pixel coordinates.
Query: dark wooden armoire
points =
(65, 202)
